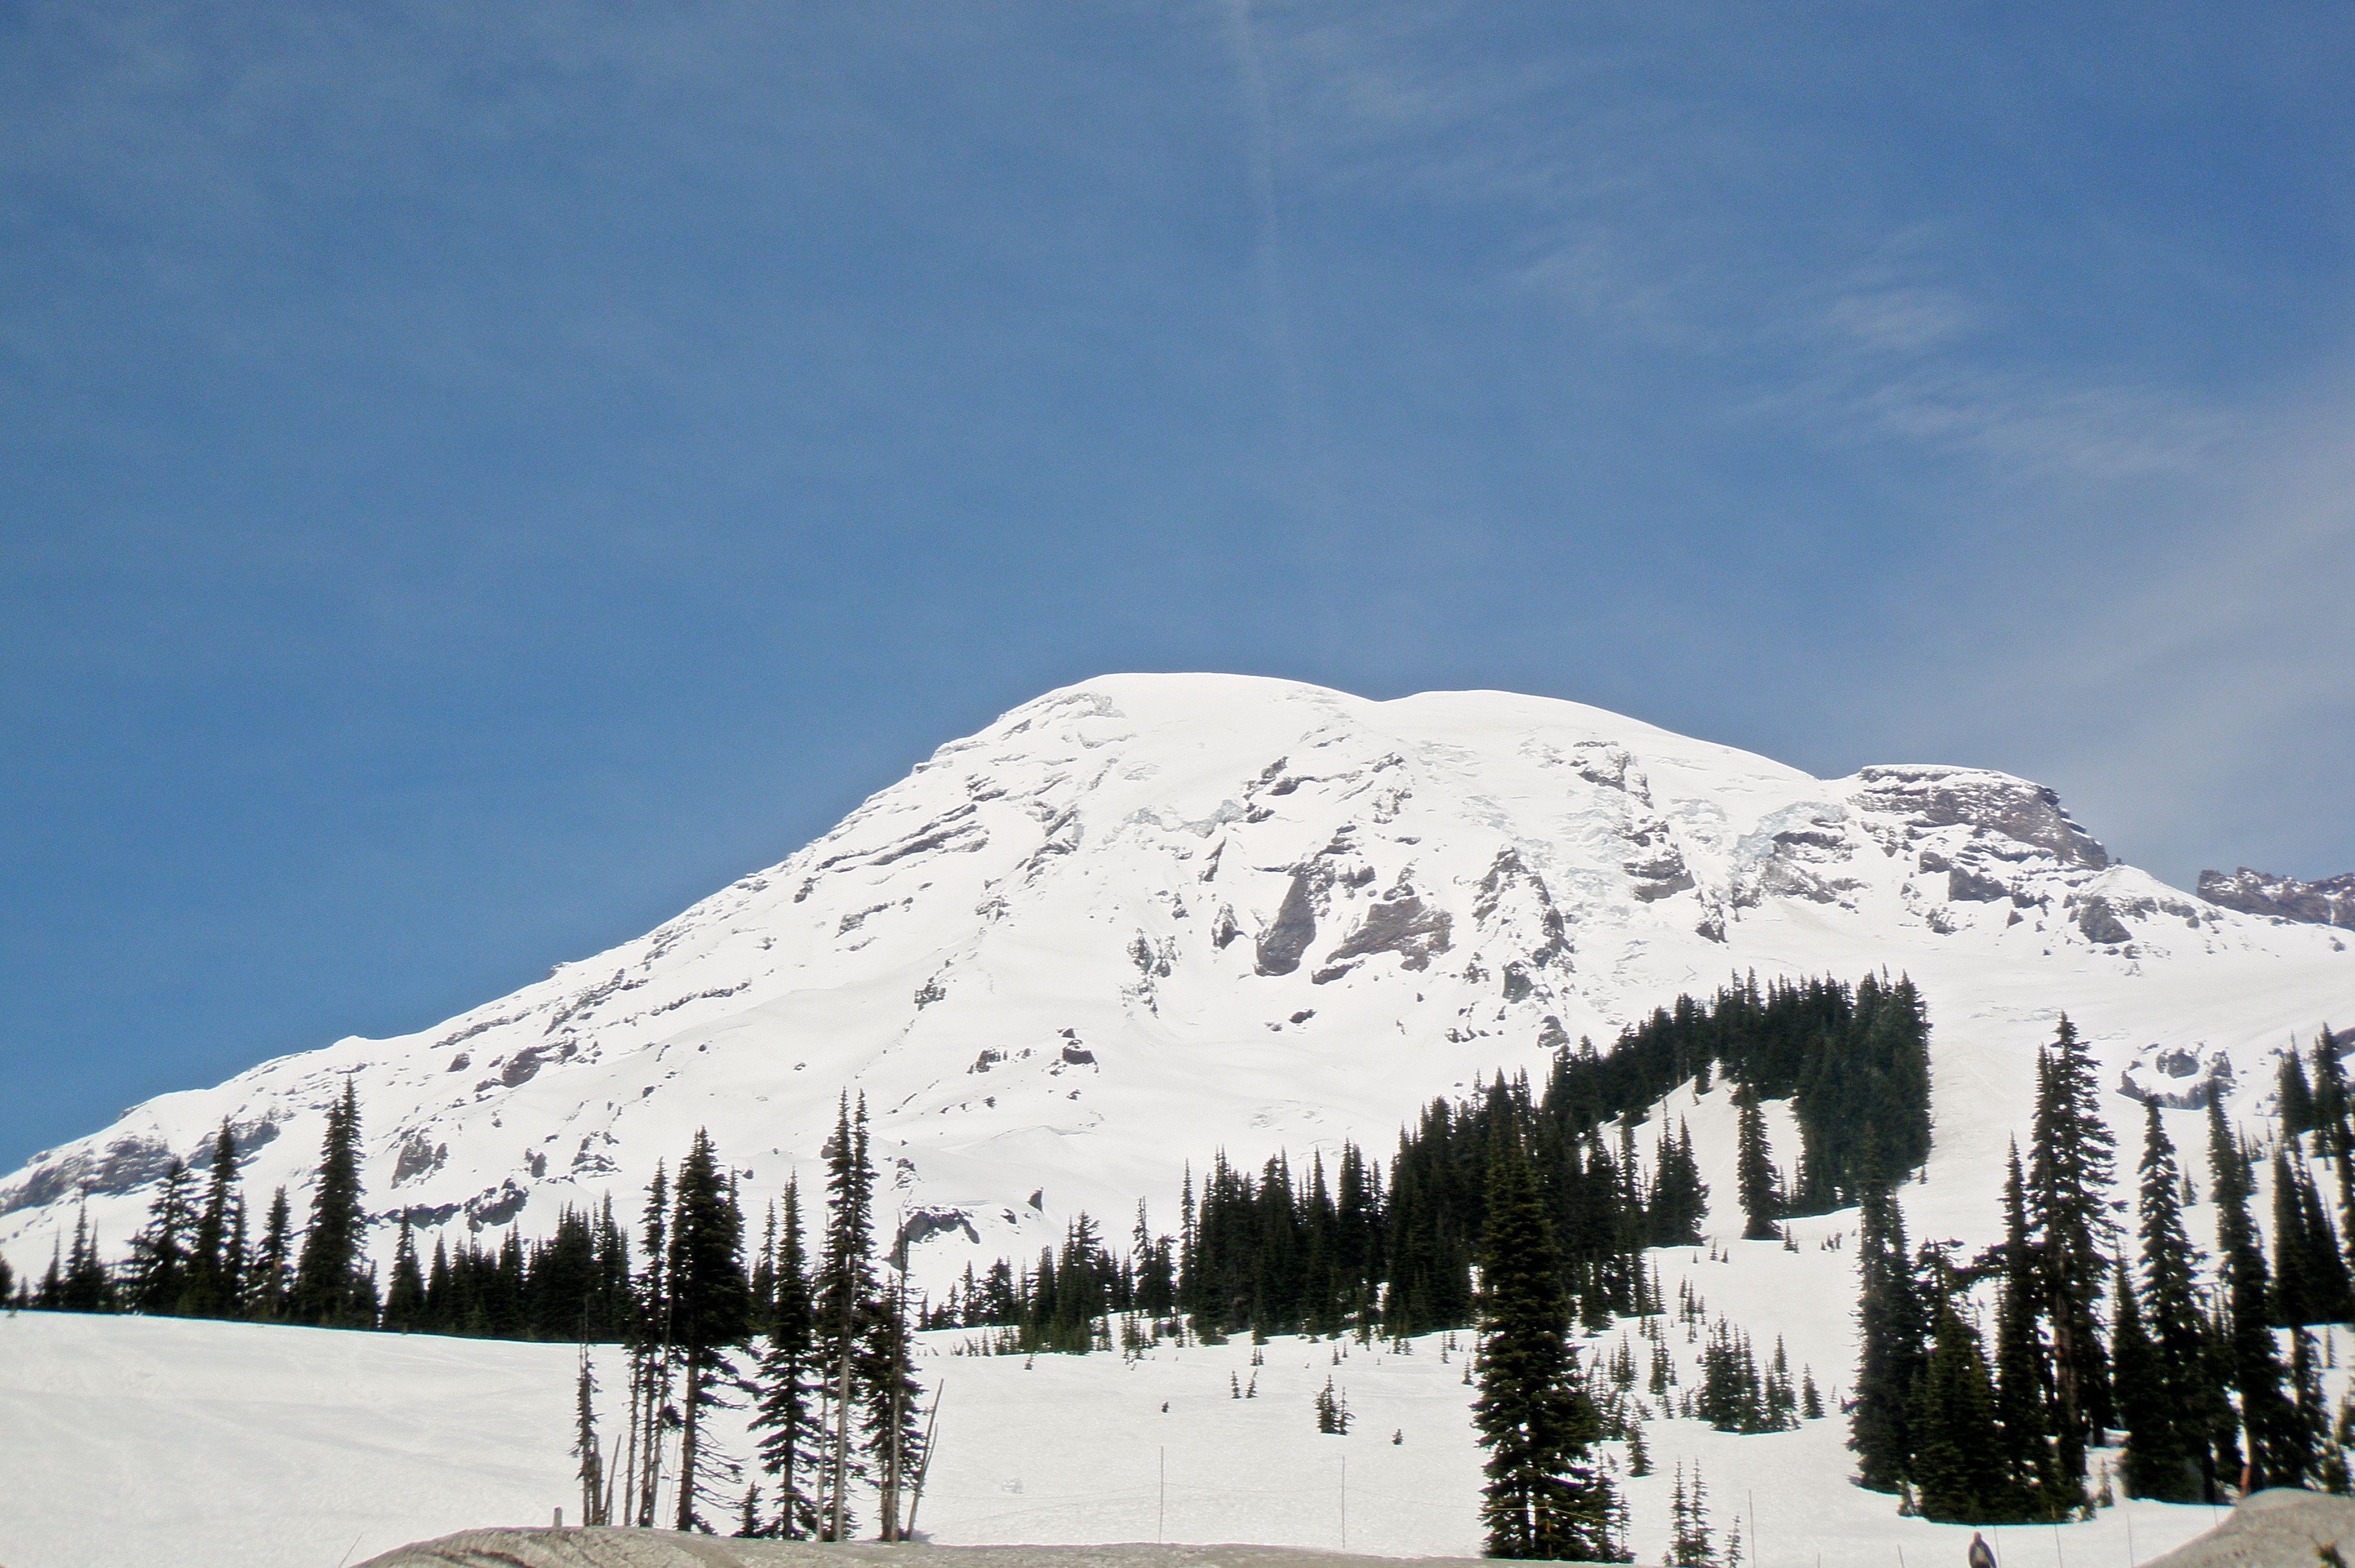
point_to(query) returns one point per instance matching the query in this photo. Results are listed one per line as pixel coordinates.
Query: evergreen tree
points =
(2154, 1460)
(1862, 1093)
(2330, 1100)
(158, 1271)
(328, 1288)
(2310, 1278)
(2306, 1432)
(235, 1260)
(651, 1380)
(2294, 1098)
(1761, 1185)
(1276, 1253)
(710, 1303)
(1545, 1498)
(268, 1281)
(2022, 1407)
(2069, 1174)
(404, 1298)
(215, 1264)
(1688, 1545)
(85, 1286)
(2255, 1365)
(1958, 1458)
(1889, 1359)
(884, 1376)
(845, 1298)
(791, 1383)
(2168, 1457)
(1679, 1198)
(590, 1467)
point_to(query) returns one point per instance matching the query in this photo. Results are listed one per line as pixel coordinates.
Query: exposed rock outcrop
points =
(2330, 901)
(2027, 813)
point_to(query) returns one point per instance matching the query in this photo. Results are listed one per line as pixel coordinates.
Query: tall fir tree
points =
(2332, 1104)
(1889, 1358)
(2254, 1363)
(2310, 1277)
(157, 1276)
(85, 1284)
(2022, 1373)
(1688, 1542)
(2169, 1459)
(269, 1280)
(2153, 1462)
(891, 1399)
(1957, 1467)
(2306, 1432)
(652, 1416)
(327, 1277)
(1759, 1183)
(215, 1264)
(790, 1384)
(404, 1296)
(2069, 1173)
(1545, 1498)
(710, 1306)
(2293, 1096)
(845, 1301)
(589, 1459)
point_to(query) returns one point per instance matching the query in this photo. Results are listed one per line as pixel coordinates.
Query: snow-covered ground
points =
(134, 1441)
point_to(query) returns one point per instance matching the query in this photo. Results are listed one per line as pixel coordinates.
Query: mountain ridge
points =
(2330, 901)
(1143, 916)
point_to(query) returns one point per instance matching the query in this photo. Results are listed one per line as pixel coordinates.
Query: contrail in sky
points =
(1275, 301)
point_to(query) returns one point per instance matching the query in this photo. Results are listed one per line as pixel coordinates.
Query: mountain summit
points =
(1149, 915)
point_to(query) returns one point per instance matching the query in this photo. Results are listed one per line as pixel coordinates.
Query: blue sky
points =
(474, 479)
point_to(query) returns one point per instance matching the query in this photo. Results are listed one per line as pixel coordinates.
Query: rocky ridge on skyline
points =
(2330, 901)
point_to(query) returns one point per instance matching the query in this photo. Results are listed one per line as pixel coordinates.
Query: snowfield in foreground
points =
(135, 1440)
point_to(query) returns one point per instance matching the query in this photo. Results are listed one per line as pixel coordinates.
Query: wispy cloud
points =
(1304, 424)
(2149, 553)
(2194, 696)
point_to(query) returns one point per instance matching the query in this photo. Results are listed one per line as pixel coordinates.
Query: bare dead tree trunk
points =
(841, 1441)
(689, 1433)
(924, 1463)
(629, 1465)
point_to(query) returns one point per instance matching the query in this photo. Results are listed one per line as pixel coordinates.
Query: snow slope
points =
(131, 1441)
(1148, 915)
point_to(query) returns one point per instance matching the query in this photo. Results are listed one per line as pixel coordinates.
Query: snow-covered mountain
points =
(2330, 901)
(1149, 915)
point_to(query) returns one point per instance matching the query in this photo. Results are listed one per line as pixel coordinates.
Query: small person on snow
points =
(1982, 1554)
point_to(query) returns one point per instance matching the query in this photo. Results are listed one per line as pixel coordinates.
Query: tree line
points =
(1349, 1246)
(816, 1339)
(198, 1257)
(1978, 1422)
(812, 1334)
